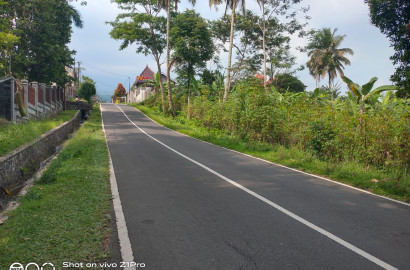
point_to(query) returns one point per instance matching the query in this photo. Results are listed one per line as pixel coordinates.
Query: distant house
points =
(143, 86)
(258, 76)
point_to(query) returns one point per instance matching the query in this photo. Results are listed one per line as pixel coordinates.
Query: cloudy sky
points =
(102, 60)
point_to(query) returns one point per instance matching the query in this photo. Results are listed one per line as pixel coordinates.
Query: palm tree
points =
(315, 67)
(325, 55)
(232, 4)
(76, 17)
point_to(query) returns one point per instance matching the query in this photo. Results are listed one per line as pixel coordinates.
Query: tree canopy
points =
(325, 55)
(192, 45)
(286, 82)
(391, 17)
(146, 29)
(87, 90)
(119, 91)
(43, 28)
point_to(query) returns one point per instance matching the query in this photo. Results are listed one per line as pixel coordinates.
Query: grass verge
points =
(65, 215)
(368, 178)
(12, 136)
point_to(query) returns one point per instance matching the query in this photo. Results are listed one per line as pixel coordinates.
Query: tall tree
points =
(146, 29)
(246, 31)
(286, 82)
(325, 55)
(252, 48)
(391, 17)
(191, 39)
(271, 9)
(167, 5)
(87, 90)
(7, 39)
(44, 28)
(232, 4)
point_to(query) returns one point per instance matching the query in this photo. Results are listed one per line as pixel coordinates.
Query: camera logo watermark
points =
(32, 266)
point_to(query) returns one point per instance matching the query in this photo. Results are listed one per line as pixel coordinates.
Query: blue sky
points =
(107, 65)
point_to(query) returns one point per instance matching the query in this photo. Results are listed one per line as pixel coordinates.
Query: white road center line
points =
(274, 205)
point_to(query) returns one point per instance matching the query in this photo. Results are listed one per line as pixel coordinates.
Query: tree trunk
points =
(171, 106)
(189, 90)
(264, 44)
(188, 114)
(330, 81)
(161, 85)
(228, 70)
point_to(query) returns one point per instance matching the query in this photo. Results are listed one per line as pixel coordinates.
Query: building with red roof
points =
(143, 86)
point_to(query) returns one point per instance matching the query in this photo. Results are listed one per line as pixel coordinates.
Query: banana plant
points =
(365, 94)
(155, 82)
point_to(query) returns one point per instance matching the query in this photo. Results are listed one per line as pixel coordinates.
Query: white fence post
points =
(24, 83)
(35, 86)
(12, 110)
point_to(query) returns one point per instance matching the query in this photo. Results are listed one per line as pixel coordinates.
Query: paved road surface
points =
(191, 205)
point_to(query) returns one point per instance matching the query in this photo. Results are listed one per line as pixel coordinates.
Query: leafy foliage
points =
(87, 90)
(119, 92)
(331, 130)
(251, 42)
(391, 17)
(7, 39)
(365, 94)
(287, 82)
(44, 31)
(146, 29)
(192, 44)
(325, 55)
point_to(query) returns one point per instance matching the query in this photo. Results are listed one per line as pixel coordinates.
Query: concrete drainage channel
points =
(20, 168)
(9, 203)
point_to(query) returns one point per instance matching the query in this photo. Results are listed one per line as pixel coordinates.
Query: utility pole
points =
(129, 88)
(11, 74)
(75, 76)
(79, 77)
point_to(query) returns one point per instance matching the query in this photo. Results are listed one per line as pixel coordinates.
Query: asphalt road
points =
(192, 205)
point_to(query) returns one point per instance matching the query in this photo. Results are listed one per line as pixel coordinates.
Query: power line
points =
(101, 70)
(106, 85)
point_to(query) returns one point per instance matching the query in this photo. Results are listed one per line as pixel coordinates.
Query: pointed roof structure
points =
(146, 74)
(258, 76)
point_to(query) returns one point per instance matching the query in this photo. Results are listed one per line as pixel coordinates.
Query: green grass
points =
(12, 136)
(65, 215)
(389, 184)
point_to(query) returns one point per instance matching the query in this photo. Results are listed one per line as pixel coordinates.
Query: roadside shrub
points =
(322, 138)
(330, 129)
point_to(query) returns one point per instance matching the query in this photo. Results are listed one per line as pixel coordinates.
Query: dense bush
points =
(331, 130)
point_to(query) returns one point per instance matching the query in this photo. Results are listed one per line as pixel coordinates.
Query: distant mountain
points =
(105, 97)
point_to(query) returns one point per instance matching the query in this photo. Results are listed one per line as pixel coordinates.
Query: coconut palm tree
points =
(326, 58)
(232, 4)
(76, 17)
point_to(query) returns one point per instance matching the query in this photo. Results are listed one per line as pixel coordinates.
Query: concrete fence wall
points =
(39, 100)
(20, 165)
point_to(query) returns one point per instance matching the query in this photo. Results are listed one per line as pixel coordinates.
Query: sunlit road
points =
(192, 205)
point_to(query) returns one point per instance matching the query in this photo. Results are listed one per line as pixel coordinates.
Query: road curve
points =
(192, 205)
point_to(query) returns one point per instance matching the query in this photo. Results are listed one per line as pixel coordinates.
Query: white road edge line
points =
(274, 205)
(125, 244)
(283, 166)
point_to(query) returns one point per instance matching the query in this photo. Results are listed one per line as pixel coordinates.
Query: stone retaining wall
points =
(78, 106)
(20, 165)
